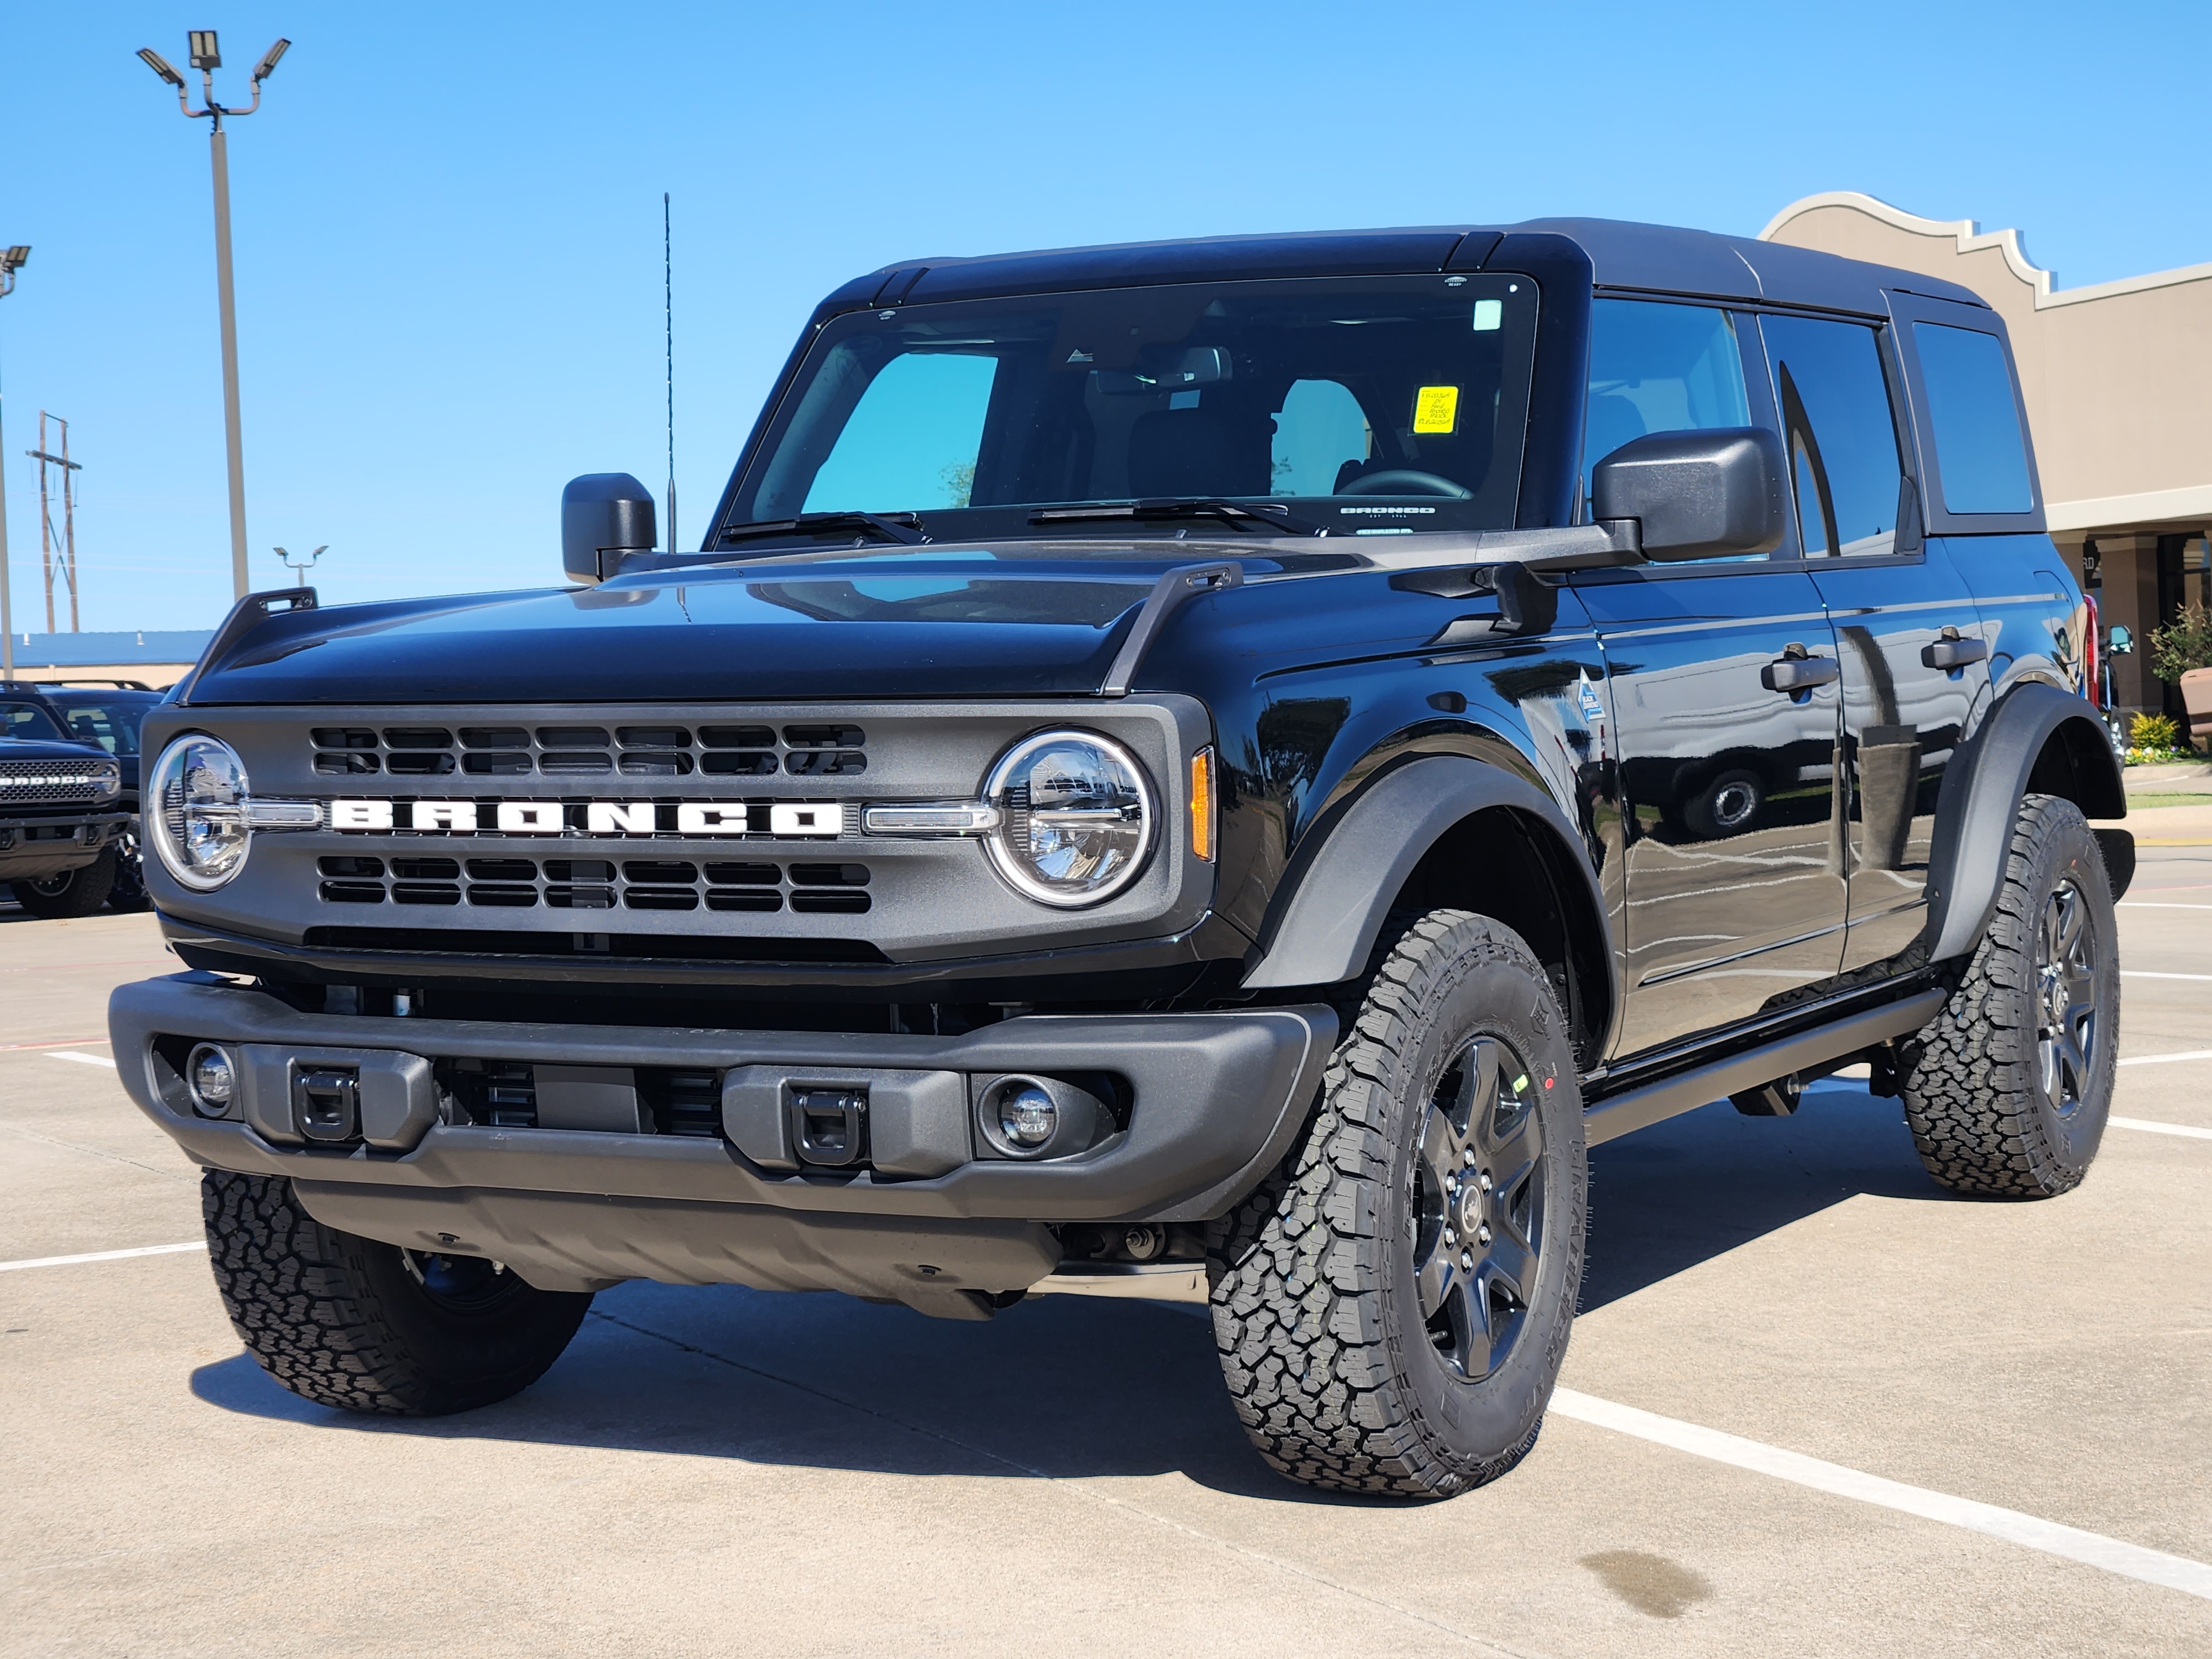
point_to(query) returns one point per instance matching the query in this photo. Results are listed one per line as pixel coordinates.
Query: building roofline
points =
(1968, 237)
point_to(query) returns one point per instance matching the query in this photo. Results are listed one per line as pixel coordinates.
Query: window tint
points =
(911, 442)
(21, 720)
(111, 723)
(1319, 431)
(1659, 369)
(1841, 438)
(1979, 452)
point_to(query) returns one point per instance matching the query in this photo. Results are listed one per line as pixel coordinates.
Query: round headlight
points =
(1076, 817)
(197, 811)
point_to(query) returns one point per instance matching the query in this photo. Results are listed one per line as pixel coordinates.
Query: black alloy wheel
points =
(129, 893)
(1477, 1208)
(2066, 988)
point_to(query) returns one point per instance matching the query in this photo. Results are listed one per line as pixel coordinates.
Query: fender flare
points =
(1328, 925)
(1980, 801)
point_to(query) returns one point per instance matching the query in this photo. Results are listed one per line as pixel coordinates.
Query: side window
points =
(911, 440)
(1319, 430)
(1979, 453)
(1840, 433)
(1659, 368)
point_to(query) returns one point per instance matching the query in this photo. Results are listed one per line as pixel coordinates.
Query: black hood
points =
(962, 623)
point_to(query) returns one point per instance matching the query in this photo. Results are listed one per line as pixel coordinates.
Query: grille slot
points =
(672, 885)
(813, 750)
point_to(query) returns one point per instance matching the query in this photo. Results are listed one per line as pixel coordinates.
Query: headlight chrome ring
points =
(197, 811)
(1078, 818)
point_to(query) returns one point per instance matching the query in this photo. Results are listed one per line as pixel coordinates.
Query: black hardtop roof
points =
(1625, 255)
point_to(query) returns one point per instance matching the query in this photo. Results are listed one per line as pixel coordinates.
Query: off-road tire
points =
(341, 1320)
(1972, 1079)
(1315, 1315)
(78, 892)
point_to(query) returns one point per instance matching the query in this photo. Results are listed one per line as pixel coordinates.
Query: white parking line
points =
(2153, 904)
(2093, 1549)
(2144, 973)
(2149, 1128)
(100, 1256)
(82, 1060)
(2162, 1059)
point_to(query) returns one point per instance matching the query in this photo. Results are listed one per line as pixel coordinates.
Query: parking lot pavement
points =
(715, 1469)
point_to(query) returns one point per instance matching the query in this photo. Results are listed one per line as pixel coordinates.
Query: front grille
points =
(418, 947)
(503, 1094)
(52, 783)
(658, 750)
(574, 883)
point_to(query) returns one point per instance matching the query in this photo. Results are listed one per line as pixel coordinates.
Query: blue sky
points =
(448, 218)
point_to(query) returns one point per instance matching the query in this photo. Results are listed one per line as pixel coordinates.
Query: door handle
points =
(1952, 651)
(1794, 670)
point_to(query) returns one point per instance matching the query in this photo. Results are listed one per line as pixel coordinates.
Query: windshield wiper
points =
(1184, 507)
(902, 527)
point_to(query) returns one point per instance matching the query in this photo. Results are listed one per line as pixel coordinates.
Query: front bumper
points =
(32, 847)
(1214, 1101)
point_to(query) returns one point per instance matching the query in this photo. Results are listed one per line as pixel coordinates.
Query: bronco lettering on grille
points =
(597, 818)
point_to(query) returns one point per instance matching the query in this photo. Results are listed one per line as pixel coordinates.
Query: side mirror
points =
(2121, 641)
(1711, 494)
(604, 515)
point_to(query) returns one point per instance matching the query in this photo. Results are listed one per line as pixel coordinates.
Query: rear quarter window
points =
(1981, 454)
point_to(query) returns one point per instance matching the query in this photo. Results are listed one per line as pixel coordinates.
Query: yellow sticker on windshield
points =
(1436, 409)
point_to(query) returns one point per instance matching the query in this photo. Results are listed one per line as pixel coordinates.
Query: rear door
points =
(1724, 696)
(1912, 645)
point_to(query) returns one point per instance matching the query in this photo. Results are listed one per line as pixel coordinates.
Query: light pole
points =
(11, 261)
(305, 562)
(206, 58)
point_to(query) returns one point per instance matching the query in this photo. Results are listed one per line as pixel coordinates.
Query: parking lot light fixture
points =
(206, 57)
(12, 259)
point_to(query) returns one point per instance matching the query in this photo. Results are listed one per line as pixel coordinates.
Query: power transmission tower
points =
(49, 544)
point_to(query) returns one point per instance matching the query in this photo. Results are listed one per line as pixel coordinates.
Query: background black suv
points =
(107, 717)
(1245, 755)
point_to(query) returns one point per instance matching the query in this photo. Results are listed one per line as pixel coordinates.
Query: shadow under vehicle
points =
(1243, 756)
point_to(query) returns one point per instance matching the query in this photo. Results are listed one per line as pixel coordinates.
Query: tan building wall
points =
(2118, 378)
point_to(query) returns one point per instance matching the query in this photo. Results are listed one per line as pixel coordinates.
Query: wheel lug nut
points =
(1451, 1237)
(1485, 1183)
(1466, 1260)
(1482, 1234)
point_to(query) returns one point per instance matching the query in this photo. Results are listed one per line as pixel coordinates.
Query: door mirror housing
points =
(2122, 640)
(604, 515)
(1711, 494)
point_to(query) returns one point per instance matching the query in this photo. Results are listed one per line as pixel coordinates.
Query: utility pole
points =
(668, 317)
(304, 563)
(11, 261)
(207, 58)
(47, 547)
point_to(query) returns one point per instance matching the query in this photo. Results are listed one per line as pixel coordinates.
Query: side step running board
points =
(1685, 1091)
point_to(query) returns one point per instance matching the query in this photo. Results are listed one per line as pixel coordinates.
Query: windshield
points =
(109, 718)
(26, 720)
(1356, 406)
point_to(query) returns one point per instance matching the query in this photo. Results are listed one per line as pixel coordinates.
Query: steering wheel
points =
(1400, 481)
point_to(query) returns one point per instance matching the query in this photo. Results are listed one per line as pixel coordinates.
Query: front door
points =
(1724, 700)
(1912, 645)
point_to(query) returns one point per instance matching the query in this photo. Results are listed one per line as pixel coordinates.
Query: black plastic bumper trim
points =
(1218, 1099)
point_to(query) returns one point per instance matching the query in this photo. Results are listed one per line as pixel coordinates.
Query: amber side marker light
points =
(1201, 804)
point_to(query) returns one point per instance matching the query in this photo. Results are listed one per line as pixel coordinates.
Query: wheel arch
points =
(2038, 740)
(1439, 830)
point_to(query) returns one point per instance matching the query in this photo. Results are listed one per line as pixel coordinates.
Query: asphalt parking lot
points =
(1814, 1403)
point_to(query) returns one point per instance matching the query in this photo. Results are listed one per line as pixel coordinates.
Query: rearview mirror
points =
(1711, 495)
(604, 515)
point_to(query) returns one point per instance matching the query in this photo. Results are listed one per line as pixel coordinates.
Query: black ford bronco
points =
(64, 820)
(1241, 756)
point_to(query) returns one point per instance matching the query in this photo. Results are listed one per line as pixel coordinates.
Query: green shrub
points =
(2153, 732)
(2183, 644)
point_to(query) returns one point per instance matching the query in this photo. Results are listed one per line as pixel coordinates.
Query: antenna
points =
(668, 319)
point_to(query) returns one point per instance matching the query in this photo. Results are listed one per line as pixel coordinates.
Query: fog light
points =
(212, 1078)
(1027, 1115)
